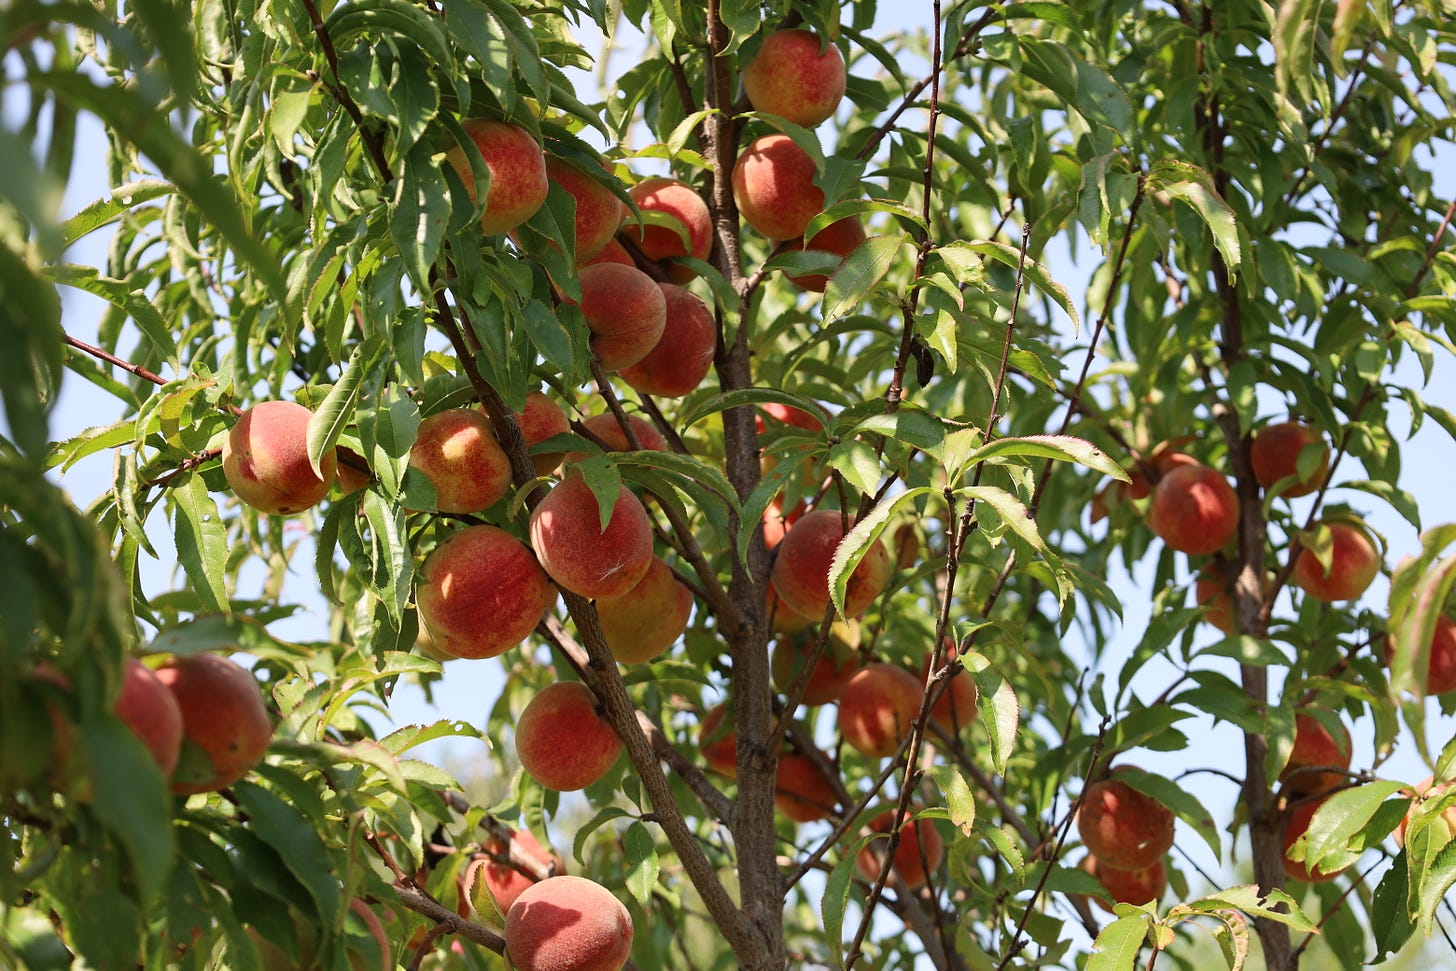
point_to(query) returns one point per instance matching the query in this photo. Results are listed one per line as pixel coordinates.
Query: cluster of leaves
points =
(334, 259)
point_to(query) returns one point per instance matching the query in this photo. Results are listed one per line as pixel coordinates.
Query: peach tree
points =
(772, 407)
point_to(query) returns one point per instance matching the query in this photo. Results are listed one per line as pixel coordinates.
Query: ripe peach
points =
(1122, 827)
(613, 252)
(1422, 791)
(876, 707)
(480, 593)
(1275, 455)
(792, 78)
(625, 311)
(920, 851)
(222, 715)
(1212, 591)
(956, 707)
(773, 184)
(606, 427)
(801, 569)
(718, 741)
(787, 415)
(598, 211)
(800, 790)
(542, 419)
(1315, 746)
(839, 238)
(1194, 510)
(836, 666)
(1299, 820)
(681, 359)
(517, 166)
(561, 740)
(785, 619)
(682, 202)
(351, 472)
(457, 452)
(151, 712)
(1162, 460)
(1441, 662)
(1354, 564)
(504, 881)
(265, 459)
(568, 924)
(645, 621)
(578, 553)
(1136, 887)
(776, 522)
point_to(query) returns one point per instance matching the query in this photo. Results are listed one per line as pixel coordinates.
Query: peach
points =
(1136, 887)
(1275, 454)
(561, 740)
(836, 666)
(598, 211)
(581, 555)
(150, 710)
(919, 853)
(1162, 461)
(776, 522)
(801, 792)
(1299, 819)
(785, 620)
(606, 427)
(718, 741)
(223, 717)
(1194, 510)
(568, 924)
(613, 252)
(1441, 662)
(1212, 591)
(1315, 746)
(1122, 827)
(1422, 791)
(364, 920)
(682, 202)
(773, 184)
(480, 593)
(876, 707)
(502, 878)
(543, 419)
(1354, 564)
(645, 621)
(839, 238)
(956, 707)
(681, 359)
(265, 459)
(787, 415)
(351, 471)
(801, 568)
(457, 452)
(518, 182)
(792, 77)
(625, 312)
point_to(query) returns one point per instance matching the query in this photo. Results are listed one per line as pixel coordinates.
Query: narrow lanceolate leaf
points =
(201, 543)
(1011, 510)
(419, 213)
(642, 862)
(290, 833)
(133, 303)
(110, 208)
(834, 903)
(744, 397)
(1191, 184)
(859, 539)
(958, 797)
(125, 780)
(1062, 448)
(1116, 948)
(858, 274)
(1415, 626)
(999, 708)
(1440, 877)
(393, 571)
(1032, 270)
(1184, 805)
(336, 411)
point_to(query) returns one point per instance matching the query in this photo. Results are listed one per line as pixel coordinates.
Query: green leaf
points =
(419, 213)
(591, 826)
(858, 541)
(1183, 803)
(958, 797)
(336, 411)
(126, 781)
(1191, 184)
(1011, 511)
(834, 903)
(858, 275)
(201, 542)
(1389, 916)
(368, 20)
(911, 426)
(1000, 710)
(108, 209)
(1116, 947)
(1062, 448)
(642, 862)
(1012, 256)
(744, 397)
(134, 303)
(289, 833)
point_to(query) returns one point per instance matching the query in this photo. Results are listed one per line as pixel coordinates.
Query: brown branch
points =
(112, 359)
(372, 141)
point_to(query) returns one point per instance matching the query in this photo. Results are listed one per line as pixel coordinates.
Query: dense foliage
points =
(294, 200)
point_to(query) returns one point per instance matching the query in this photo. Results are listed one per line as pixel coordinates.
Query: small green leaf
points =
(201, 542)
(1191, 184)
(999, 707)
(834, 903)
(289, 832)
(642, 862)
(108, 209)
(858, 275)
(1116, 947)
(958, 797)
